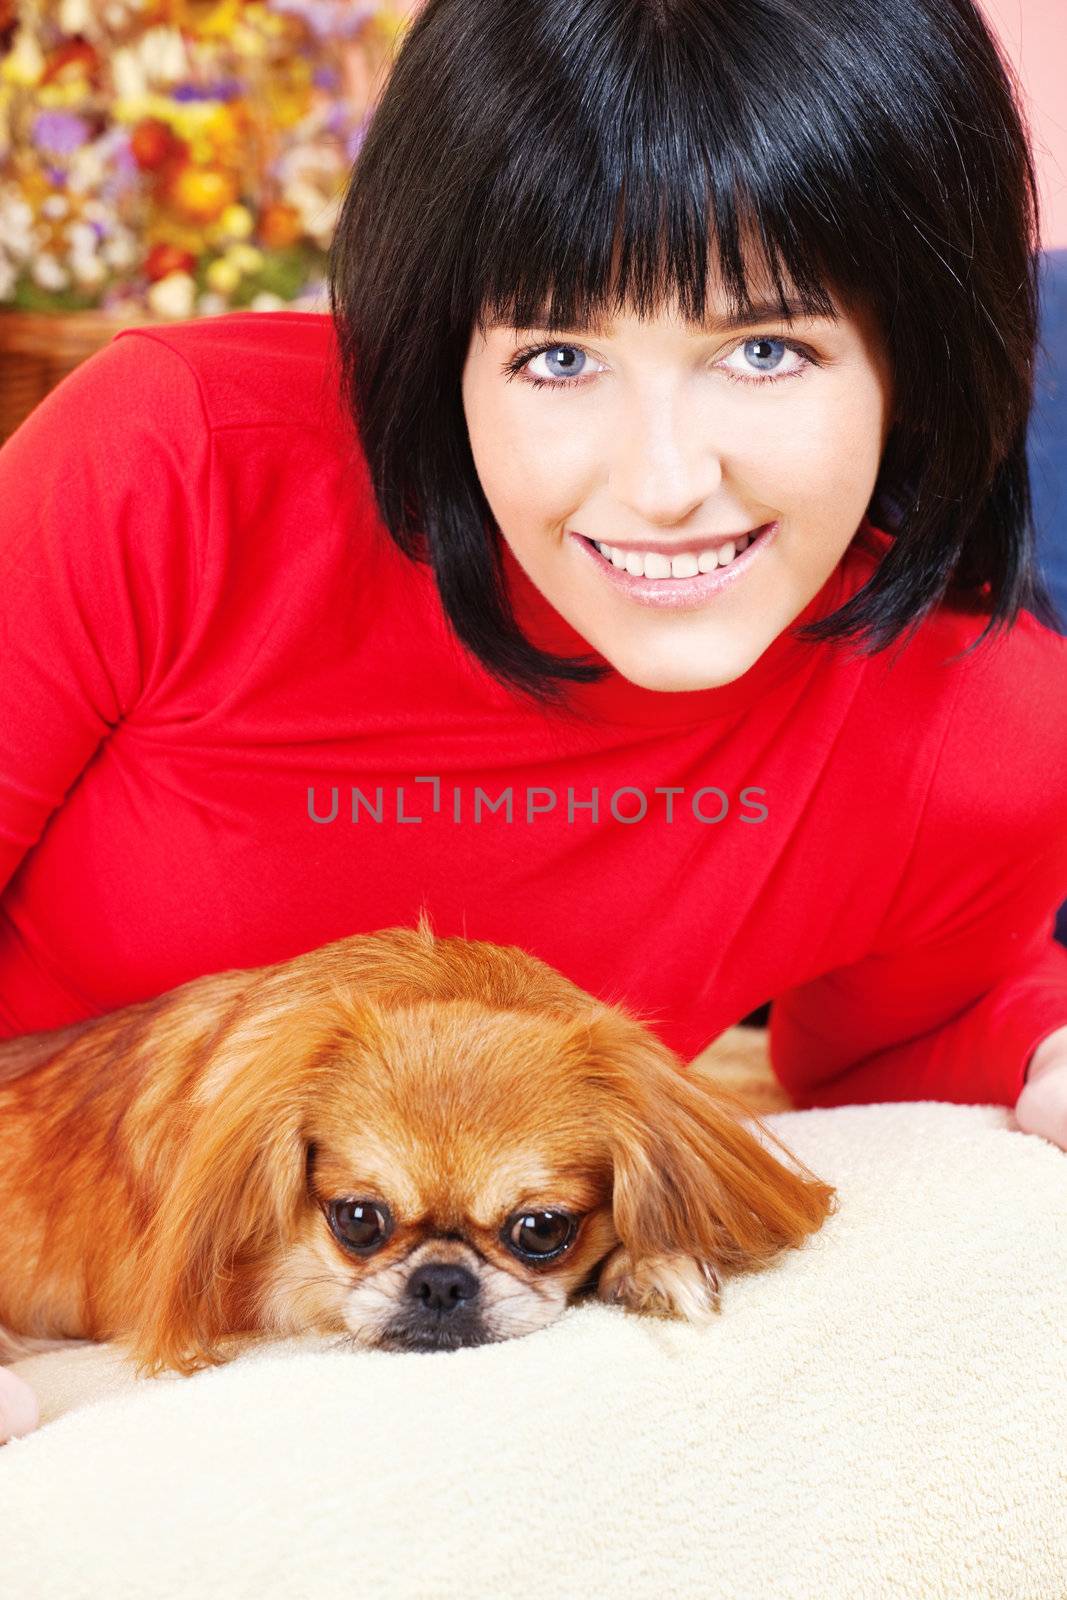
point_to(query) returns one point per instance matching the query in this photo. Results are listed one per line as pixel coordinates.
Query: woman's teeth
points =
(654, 564)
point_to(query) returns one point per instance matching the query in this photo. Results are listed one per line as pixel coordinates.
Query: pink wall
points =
(1034, 35)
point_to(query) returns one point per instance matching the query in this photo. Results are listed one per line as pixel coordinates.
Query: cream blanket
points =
(880, 1414)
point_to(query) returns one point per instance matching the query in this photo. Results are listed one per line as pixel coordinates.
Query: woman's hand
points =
(1042, 1106)
(19, 1411)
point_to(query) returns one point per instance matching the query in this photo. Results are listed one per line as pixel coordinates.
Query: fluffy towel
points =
(880, 1414)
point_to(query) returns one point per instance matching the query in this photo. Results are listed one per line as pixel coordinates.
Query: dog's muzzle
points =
(442, 1309)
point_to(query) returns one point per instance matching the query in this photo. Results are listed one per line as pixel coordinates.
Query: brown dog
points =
(410, 1142)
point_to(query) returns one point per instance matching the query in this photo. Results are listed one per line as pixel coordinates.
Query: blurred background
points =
(169, 159)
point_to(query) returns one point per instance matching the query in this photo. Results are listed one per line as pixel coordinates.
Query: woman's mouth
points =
(684, 591)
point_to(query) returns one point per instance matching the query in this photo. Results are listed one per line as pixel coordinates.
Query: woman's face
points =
(665, 437)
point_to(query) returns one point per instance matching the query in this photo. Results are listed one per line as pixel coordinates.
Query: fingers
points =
(19, 1411)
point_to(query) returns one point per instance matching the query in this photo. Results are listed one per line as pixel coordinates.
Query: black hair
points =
(522, 151)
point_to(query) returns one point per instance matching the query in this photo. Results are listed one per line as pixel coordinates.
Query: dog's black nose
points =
(442, 1285)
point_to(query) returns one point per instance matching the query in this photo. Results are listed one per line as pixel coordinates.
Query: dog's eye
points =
(540, 1235)
(360, 1224)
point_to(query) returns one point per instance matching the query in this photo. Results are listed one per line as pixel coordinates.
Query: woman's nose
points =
(664, 466)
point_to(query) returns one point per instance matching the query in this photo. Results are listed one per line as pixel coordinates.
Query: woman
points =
(272, 678)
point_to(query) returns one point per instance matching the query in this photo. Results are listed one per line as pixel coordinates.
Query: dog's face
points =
(420, 1144)
(460, 1181)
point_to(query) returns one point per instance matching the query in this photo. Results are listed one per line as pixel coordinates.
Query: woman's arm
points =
(908, 1024)
(1042, 1106)
(963, 980)
(1048, 1055)
(100, 544)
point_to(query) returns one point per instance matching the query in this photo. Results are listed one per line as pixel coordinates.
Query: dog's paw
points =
(19, 1411)
(670, 1285)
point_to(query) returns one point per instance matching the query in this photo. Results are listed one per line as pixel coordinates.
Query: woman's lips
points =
(679, 593)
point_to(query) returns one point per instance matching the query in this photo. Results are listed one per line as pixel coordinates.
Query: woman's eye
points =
(764, 354)
(563, 364)
(762, 359)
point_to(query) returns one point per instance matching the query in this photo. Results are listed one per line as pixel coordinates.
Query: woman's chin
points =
(676, 675)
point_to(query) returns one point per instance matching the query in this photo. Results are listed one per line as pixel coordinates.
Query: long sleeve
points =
(974, 1055)
(964, 979)
(99, 490)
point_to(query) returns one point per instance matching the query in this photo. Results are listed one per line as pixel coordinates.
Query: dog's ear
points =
(696, 1196)
(237, 1191)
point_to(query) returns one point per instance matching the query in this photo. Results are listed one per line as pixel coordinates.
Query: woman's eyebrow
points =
(761, 311)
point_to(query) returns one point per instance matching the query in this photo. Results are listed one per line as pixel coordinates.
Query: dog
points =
(412, 1142)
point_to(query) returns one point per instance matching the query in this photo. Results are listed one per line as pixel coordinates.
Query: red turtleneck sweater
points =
(234, 725)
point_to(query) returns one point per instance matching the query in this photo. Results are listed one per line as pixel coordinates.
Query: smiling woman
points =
(726, 287)
(618, 287)
(673, 447)
(822, 286)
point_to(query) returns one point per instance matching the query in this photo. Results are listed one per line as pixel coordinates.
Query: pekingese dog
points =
(414, 1143)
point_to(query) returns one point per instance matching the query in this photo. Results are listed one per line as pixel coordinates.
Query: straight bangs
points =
(566, 163)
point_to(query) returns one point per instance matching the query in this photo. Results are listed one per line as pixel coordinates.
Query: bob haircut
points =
(521, 149)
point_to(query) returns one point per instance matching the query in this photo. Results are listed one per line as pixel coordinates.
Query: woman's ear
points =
(696, 1196)
(235, 1195)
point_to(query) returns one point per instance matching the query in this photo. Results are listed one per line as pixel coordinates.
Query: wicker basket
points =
(38, 349)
